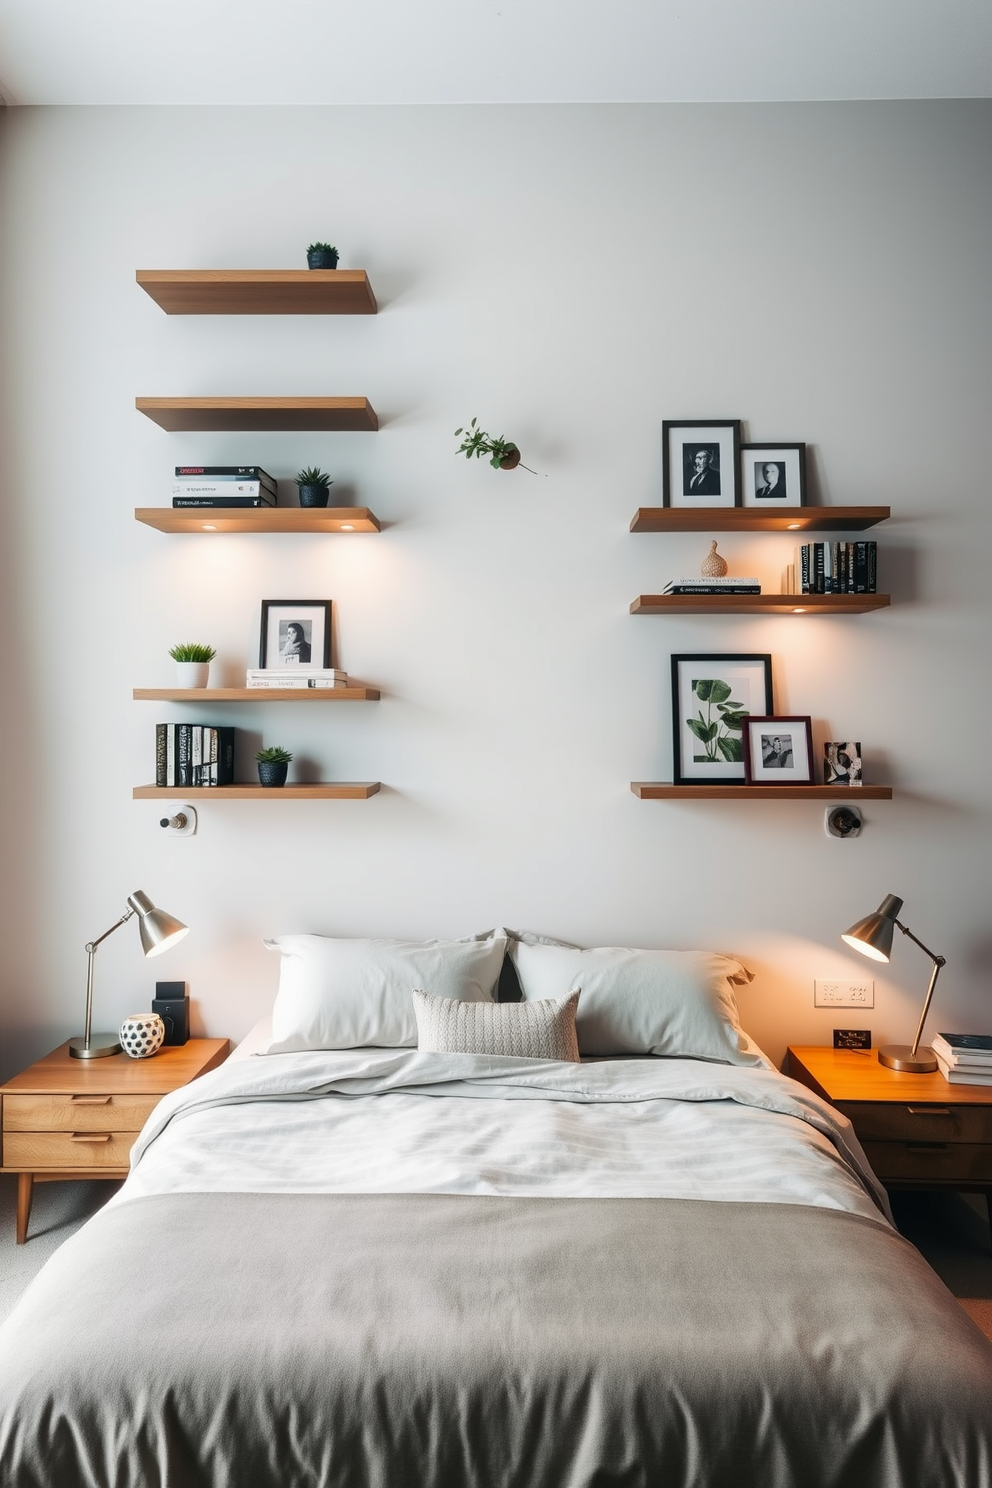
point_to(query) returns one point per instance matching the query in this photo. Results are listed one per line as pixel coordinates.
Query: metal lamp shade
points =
(158, 930)
(872, 936)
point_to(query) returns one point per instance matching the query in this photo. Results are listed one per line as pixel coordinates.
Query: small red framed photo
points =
(777, 750)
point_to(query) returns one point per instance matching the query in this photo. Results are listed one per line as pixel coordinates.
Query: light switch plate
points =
(834, 993)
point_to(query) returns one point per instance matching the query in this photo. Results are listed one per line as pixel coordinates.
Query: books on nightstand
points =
(964, 1058)
(191, 754)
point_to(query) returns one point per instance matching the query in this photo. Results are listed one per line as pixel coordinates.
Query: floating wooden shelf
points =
(256, 694)
(258, 519)
(757, 519)
(259, 291)
(351, 790)
(175, 414)
(648, 790)
(758, 604)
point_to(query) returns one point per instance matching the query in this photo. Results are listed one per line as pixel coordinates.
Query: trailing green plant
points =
(313, 476)
(478, 443)
(274, 755)
(192, 651)
(720, 736)
(321, 248)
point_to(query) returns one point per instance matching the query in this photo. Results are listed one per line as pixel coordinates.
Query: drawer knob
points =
(90, 1136)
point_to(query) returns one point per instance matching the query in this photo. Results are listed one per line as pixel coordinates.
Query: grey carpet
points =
(950, 1230)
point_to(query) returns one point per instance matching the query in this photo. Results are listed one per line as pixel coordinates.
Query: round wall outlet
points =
(843, 822)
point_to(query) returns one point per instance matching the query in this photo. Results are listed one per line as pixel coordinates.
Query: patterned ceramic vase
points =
(142, 1034)
(713, 566)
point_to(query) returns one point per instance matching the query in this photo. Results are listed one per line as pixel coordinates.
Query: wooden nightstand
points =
(75, 1118)
(918, 1131)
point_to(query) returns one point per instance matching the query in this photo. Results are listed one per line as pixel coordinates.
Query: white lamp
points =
(158, 932)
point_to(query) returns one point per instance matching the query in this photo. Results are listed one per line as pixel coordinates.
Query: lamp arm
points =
(938, 962)
(90, 949)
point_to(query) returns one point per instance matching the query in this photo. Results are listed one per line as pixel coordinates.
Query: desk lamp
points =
(158, 932)
(873, 938)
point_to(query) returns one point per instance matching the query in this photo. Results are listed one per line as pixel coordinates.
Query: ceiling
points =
(490, 51)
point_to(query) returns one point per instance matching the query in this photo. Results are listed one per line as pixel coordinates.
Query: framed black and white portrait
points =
(778, 751)
(773, 475)
(295, 633)
(842, 763)
(712, 696)
(701, 462)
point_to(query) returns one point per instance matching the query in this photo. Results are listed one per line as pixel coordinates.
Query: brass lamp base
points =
(101, 1044)
(901, 1057)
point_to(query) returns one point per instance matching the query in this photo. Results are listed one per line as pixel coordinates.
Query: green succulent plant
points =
(478, 443)
(321, 248)
(192, 651)
(274, 755)
(313, 476)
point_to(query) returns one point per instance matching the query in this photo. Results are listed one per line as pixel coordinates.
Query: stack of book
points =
(836, 568)
(296, 676)
(193, 754)
(964, 1058)
(222, 485)
(704, 585)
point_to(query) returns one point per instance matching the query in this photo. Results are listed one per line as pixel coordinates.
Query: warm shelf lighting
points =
(347, 527)
(799, 612)
(793, 527)
(209, 527)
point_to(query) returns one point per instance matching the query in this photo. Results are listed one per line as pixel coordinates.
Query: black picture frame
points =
(312, 617)
(778, 749)
(718, 759)
(789, 488)
(683, 444)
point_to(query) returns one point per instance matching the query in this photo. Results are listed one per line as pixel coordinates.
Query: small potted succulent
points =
(273, 765)
(314, 486)
(192, 663)
(322, 256)
(503, 453)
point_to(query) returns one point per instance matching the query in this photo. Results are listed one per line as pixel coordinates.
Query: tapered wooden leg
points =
(25, 1190)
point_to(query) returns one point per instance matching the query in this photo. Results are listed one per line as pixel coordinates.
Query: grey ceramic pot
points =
(272, 772)
(313, 495)
(321, 259)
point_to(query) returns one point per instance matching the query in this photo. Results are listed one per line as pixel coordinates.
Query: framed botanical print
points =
(773, 475)
(712, 696)
(700, 461)
(778, 751)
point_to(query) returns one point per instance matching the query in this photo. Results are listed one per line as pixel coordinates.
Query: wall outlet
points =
(834, 993)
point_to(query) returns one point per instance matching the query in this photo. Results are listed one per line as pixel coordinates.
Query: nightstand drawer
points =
(84, 1149)
(957, 1162)
(887, 1121)
(78, 1113)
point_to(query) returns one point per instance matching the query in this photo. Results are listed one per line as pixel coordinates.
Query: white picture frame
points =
(773, 476)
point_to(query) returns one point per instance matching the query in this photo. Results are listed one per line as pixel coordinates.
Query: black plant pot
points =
(319, 258)
(272, 772)
(510, 460)
(313, 495)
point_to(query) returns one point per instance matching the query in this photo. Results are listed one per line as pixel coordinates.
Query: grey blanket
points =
(339, 1341)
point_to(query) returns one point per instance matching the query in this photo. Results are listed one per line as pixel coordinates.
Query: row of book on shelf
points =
(833, 568)
(194, 754)
(964, 1058)
(223, 486)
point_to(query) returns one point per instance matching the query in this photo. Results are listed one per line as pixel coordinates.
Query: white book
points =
(298, 682)
(191, 486)
(954, 1075)
(710, 583)
(267, 674)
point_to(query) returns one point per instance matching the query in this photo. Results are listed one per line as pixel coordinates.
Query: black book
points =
(218, 754)
(161, 736)
(183, 753)
(804, 568)
(713, 589)
(816, 586)
(221, 502)
(872, 562)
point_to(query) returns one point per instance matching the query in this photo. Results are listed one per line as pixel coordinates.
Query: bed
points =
(396, 1263)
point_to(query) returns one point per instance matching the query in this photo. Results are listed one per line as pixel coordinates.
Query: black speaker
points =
(172, 1006)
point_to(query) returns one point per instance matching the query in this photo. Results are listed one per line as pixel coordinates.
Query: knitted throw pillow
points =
(544, 1029)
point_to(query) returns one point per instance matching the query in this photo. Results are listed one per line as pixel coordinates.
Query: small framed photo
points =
(295, 633)
(711, 698)
(700, 460)
(842, 764)
(773, 475)
(778, 751)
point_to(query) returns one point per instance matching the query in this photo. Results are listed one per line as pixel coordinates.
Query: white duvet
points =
(398, 1121)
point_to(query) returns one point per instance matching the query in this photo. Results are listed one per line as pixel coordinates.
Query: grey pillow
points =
(544, 1029)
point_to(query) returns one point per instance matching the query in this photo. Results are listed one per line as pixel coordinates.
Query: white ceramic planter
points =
(192, 673)
(142, 1034)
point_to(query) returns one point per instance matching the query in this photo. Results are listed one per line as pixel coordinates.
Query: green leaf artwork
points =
(720, 735)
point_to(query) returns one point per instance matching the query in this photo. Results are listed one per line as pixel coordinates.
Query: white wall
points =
(572, 275)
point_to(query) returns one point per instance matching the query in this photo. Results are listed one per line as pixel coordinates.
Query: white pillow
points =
(524, 1030)
(676, 1003)
(347, 994)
